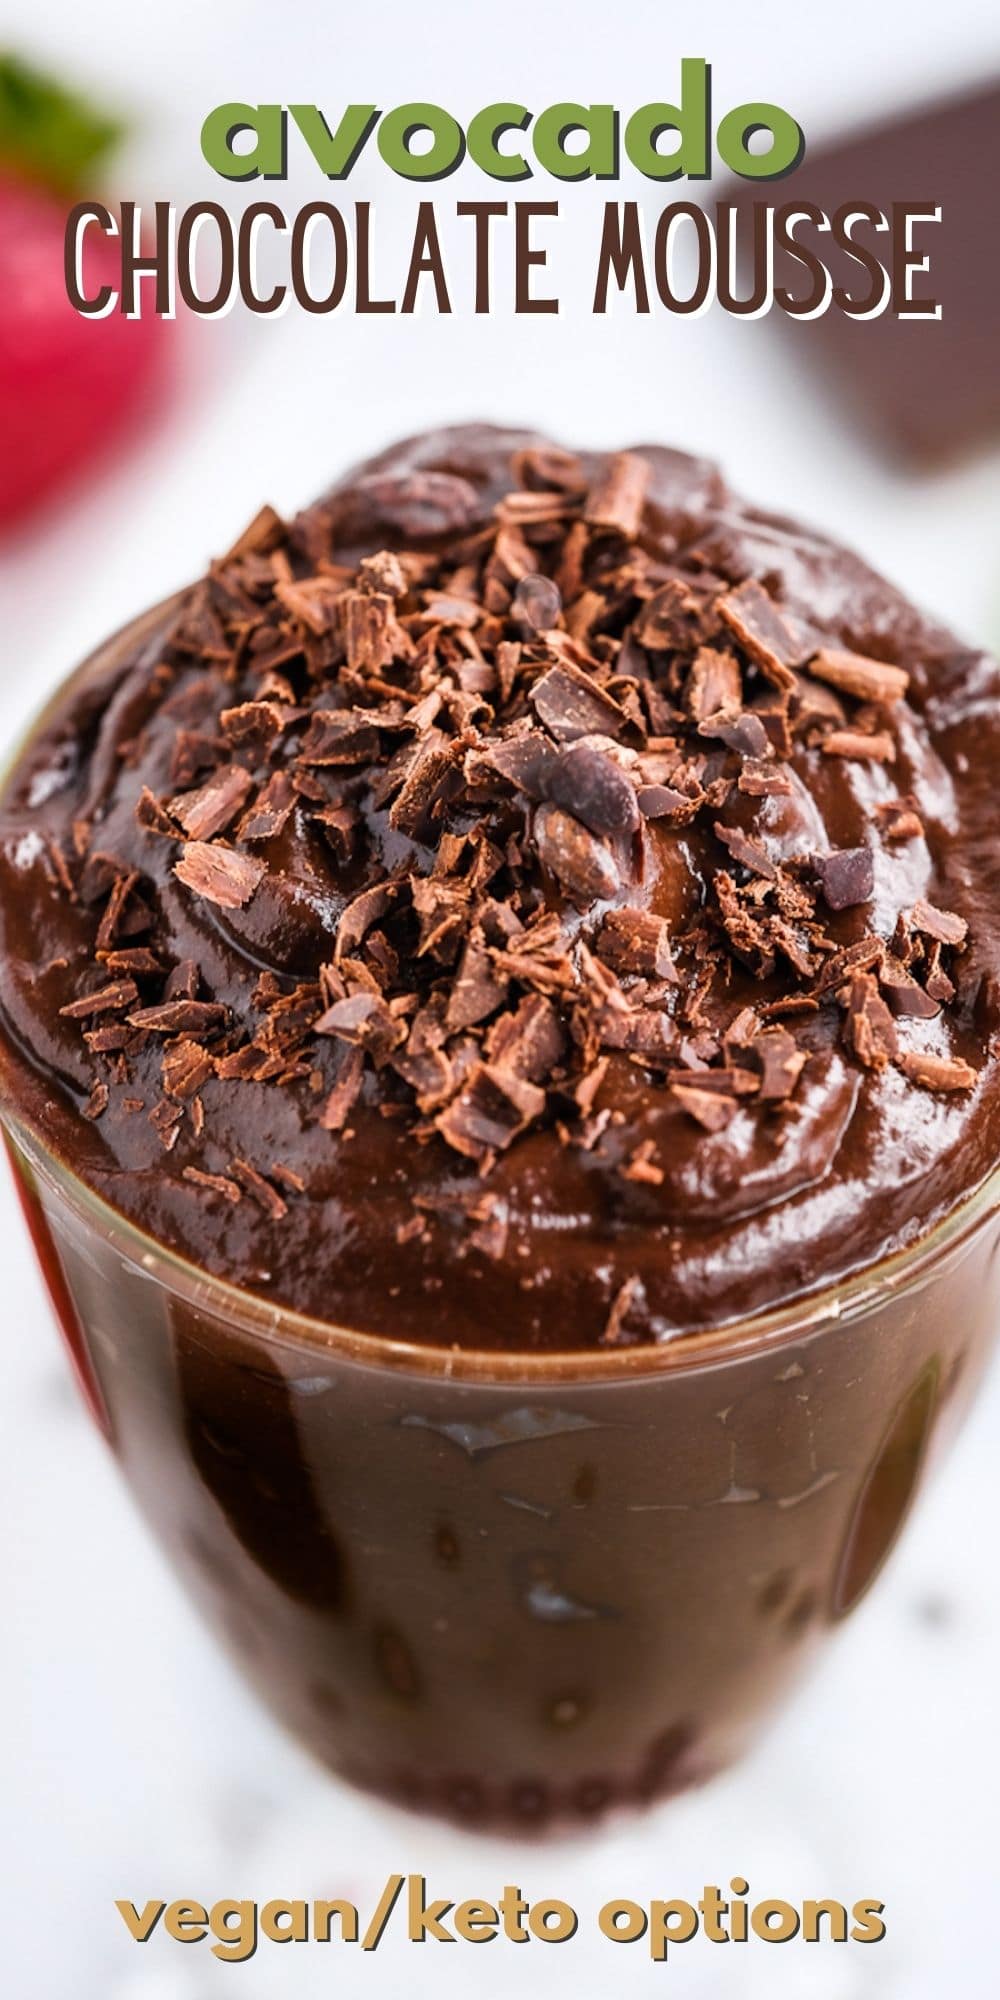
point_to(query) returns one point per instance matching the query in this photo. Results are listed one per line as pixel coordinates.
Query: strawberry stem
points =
(48, 133)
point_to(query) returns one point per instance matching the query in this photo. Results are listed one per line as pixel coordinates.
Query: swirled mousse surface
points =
(530, 900)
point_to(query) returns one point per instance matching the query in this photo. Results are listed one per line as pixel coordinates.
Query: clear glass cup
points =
(514, 1588)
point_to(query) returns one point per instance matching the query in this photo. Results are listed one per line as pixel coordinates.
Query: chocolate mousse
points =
(531, 900)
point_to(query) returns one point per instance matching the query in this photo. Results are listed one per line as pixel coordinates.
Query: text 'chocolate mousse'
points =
(531, 900)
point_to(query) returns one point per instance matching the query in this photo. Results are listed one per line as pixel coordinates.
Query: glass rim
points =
(777, 1326)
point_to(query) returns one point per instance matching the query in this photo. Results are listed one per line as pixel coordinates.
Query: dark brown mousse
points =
(529, 900)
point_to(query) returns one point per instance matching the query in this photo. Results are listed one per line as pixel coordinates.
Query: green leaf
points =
(48, 133)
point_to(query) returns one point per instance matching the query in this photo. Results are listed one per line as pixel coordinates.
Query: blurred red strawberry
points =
(68, 385)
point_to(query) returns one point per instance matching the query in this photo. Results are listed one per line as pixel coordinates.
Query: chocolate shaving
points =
(615, 1327)
(583, 865)
(749, 853)
(747, 735)
(312, 603)
(711, 1109)
(531, 1041)
(936, 1072)
(181, 1017)
(489, 1235)
(571, 704)
(939, 986)
(478, 990)
(154, 817)
(111, 1041)
(868, 1027)
(590, 784)
(524, 761)
(218, 874)
(616, 499)
(863, 679)
(431, 770)
(214, 805)
(185, 1068)
(715, 687)
(364, 1018)
(254, 725)
(900, 820)
(874, 747)
(943, 925)
(373, 637)
(663, 802)
(846, 877)
(114, 918)
(763, 632)
(781, 1064)
(670, 619)
(636, 941)
(339, 736)
(271, 809)
(365, 910)
(183, 981)
(112, 999)
(137, 959)
(489, 1112)
(905, 996)
(815, 709)
(165, 1119)
(383, 573)
(259, 1188)
(265, 532)
(344, 1095)
(647, 1033)
(642, 1167)
(215, 1183)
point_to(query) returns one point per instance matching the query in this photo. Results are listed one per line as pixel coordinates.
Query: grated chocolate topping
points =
(526, 828)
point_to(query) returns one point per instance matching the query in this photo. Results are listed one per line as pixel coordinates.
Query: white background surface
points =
(133, 1763)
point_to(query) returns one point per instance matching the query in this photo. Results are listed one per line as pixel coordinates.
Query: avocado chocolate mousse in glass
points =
(498, 1008)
